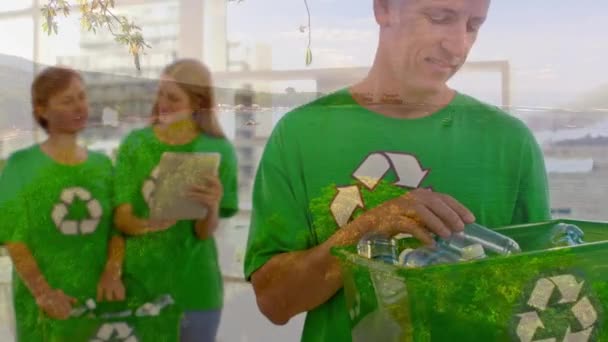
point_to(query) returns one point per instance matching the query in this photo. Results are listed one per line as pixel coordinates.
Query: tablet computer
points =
(177, 172)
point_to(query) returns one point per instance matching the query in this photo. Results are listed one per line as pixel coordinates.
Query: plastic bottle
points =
(426, 256)
(565, 234)
(473, 243)
(490, 240)
(378, 247)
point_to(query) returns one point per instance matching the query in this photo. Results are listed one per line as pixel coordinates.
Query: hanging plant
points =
(98, 14)
(308, 50)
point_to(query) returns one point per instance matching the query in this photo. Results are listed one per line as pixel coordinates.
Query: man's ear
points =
(382, 12)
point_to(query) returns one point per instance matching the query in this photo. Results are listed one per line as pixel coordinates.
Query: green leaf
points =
(45, 28)
(308, 56)
(49, 24)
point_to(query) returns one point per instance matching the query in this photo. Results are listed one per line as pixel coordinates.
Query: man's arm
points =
(295, 282)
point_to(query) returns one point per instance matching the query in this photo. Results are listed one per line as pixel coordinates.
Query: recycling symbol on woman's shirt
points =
(147, 190)
(570, 293)
(115, 332)
(73, 227)
(374, 167)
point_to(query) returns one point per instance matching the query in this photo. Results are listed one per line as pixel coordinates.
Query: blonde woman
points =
(179, 258)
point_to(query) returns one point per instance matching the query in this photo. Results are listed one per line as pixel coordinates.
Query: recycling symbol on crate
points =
(121, 331)
(150, 185)
(407, 168)
(115, 332)
(567, 290)
(73, 227)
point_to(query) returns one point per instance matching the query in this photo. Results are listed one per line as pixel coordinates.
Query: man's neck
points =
(388, 97)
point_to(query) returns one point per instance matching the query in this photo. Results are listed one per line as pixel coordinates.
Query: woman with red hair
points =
(56, 212)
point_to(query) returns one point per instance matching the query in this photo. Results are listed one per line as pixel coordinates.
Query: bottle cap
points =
(474, 251)
(403, 255)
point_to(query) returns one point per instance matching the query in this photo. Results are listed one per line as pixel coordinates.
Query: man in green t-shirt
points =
(450, 159)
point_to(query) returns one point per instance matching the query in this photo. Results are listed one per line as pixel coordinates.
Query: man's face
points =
(427, 41)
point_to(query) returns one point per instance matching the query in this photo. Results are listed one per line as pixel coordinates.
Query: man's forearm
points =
(296, 282)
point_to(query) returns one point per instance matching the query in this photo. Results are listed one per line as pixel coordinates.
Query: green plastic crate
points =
(543, 294)
(163, 327)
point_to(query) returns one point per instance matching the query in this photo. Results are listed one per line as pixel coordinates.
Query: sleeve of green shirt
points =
(279, 221)
(533, 198)
(13, 213)
(125, 186)
(229, 177)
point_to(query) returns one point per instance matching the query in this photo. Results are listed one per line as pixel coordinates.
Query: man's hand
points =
(420, 212)
(311, 277)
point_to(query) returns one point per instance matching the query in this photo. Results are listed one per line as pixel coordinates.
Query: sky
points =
(556, 48)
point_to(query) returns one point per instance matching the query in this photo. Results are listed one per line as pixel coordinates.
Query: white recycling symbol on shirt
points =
(61, 210)
(115, 332)
(149, 186)
(374, 167)
(569, 290)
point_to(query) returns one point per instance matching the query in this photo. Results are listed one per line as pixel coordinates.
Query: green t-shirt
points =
(173, 261)
(63, 214)
(329, 151)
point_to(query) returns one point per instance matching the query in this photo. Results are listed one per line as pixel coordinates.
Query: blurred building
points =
(172, 28)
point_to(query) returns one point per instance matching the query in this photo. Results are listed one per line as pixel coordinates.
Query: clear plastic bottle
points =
(491, 241)
(565, 234)
(440, 254)
(473, 243)
(426, 256)
(378, 247)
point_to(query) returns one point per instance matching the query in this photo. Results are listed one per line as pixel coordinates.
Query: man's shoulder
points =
(490, 116)
(320, 107)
